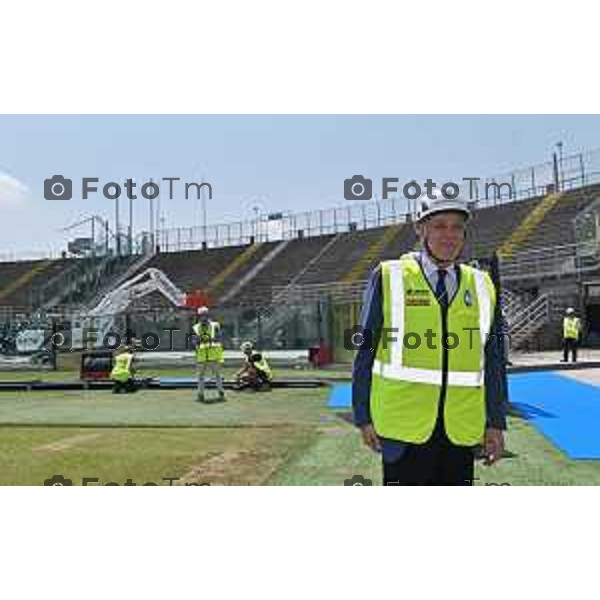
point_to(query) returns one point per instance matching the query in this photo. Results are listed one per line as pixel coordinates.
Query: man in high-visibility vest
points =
(209, 352)
(427, 384)
(123, 371)
(571, 333)
(256, 373)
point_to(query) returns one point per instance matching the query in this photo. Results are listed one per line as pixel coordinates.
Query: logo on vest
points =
(468, 298)
(418, 298)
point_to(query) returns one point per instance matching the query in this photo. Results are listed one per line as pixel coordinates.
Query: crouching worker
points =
(256, 373)
(123, 371)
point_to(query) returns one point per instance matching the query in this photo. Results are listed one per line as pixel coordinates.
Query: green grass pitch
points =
(283, 437)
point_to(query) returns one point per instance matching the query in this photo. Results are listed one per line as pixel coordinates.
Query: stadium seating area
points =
(491, 226)
(296, 255)
(195, 269)
(557, 226)
(20, 281)
(316, 260)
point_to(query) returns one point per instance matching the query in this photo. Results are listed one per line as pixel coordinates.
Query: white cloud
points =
(12, 191)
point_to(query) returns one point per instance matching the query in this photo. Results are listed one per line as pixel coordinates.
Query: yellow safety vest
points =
(122, 368)
(407, 375)
(571, 327)
(263, 365)
(208, 349)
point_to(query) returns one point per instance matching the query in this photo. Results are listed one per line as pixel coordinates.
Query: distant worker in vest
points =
(427, 379)
(256, 373)
(123, 370)
(209, 353)
(571, 334)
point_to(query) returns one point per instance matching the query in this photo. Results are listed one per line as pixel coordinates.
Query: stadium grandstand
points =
(293, 285)
(293, 282)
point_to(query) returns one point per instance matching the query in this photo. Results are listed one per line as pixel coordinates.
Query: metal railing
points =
(565, 260)
(358, 216)
(29, 255)
(530, 320)
(563, 174)
(335, 291)
(558, 261)
(510, 300)
(559, 174)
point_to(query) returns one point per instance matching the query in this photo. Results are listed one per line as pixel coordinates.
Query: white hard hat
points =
(428, 206)
(570, 310)
(246, 346)
(203, 310)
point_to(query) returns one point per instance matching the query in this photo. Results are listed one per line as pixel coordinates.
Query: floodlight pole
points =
(118, 249)
(130, 222)
(559, 145)
(203, 199)
(93, 238)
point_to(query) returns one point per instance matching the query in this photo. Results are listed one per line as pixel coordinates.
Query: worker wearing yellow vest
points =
(209, 352)
(427, 389)
(256, 373)
(123, 371)
(571, 334)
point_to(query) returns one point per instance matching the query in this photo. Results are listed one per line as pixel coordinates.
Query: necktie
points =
(440, 289)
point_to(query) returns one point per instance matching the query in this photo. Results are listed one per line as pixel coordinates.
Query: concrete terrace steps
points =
(19, 281)
(219, 280)
(283, 268)
(528, 225)
(24, 278)
(557, 227)
(372, 254)
(253, 273)
(321, 260)
(194, 269)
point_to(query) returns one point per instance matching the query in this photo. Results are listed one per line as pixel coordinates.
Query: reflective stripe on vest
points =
(263, 366)
(406, 379)
(208, 350)
(122, 368)
(571, 327)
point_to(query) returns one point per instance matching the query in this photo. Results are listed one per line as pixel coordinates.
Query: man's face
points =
(445, 235)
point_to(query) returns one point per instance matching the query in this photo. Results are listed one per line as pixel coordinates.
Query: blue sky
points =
(280, 163)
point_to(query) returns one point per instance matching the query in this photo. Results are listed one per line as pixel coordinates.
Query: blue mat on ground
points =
(340, 396)
(565, 411)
